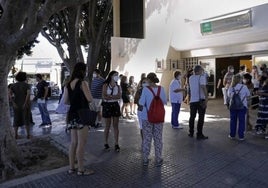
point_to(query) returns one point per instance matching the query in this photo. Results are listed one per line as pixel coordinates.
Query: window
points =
(131, 19)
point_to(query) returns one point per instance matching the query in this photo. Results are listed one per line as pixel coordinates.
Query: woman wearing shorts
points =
(111, 95)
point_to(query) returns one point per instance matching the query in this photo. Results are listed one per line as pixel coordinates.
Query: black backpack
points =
(235, 101)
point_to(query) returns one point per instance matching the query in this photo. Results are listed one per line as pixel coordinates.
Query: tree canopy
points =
(20, 23)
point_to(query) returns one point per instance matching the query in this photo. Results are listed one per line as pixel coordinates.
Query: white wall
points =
(136, 56)
(194, 13)
(173, 23)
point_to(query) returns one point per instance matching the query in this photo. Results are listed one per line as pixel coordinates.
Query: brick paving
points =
(216, 162)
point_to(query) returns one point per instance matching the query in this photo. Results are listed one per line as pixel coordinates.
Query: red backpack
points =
(156, 111)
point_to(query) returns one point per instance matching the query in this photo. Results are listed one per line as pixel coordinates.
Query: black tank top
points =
(77, 100)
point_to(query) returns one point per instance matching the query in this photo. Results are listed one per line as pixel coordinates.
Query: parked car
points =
(54, 89)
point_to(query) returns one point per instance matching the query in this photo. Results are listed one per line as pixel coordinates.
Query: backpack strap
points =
(239, 92)
(158, 90)
(240, 89)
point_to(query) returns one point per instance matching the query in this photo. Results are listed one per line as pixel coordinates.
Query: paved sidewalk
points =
(216, 162)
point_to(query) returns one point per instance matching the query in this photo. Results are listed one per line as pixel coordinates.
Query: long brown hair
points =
(79, 71)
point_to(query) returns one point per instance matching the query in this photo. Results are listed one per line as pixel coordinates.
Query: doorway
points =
(222, 66)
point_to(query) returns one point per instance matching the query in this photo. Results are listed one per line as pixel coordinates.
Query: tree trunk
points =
(8, 146)
(95, 43)
(74, 47)
(20, 22)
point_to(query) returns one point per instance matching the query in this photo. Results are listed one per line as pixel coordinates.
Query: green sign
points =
(206, 27)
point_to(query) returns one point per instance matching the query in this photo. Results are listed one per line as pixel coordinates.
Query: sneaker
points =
(42, 124)
(159, 163)
(146, 162)
(232, 138)
(106, 147)
(117, 148)
(241, 139)
(258, 132)
(201, 137)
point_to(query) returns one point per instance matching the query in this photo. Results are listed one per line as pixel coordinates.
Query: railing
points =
(250, 101)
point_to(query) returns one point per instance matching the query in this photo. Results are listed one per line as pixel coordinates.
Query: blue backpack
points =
(235, 102)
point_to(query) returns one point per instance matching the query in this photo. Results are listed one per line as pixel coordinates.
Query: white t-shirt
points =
(196, 93)
(146, 99)
(112, 91)
(244, 93)
(175, 97)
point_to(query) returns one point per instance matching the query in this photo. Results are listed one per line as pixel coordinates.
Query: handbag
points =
(87, 116)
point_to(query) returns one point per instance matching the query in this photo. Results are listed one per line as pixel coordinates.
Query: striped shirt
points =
(96, 87)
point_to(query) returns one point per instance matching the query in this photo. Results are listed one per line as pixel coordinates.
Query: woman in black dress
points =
(78, 96)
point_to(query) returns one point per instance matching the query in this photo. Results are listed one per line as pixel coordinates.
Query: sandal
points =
(117, 148)
(71, 171)
(85, 173)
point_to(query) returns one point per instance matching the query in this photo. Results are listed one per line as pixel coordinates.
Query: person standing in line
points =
(262, 119)
(186, 85)
(176, 97)
(242, 71)
(247, 82)
(125, 97)
(227, 79)
(96, 90)
(143, 83)
(42, 93)
(143, 75)
(263, 77)
(256, 82)
(78, 96)
(20, 98)
(151, 130)
(239, 114)
(198, 102)
(111, 95)
(220, 81)
(132, 88)
(263, 68)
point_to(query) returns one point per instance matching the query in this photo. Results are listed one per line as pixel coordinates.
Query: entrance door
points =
(222, 66)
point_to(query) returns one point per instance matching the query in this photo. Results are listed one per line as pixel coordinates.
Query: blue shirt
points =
(96, 87)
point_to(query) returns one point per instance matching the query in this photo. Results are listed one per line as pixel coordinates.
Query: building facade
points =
(166, 35)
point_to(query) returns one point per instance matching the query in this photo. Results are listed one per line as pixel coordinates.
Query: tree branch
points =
(30, 30)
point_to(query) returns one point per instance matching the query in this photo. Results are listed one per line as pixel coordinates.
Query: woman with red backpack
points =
(152, 129)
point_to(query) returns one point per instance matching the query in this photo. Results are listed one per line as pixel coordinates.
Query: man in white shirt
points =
(175, 97)
(198, 102)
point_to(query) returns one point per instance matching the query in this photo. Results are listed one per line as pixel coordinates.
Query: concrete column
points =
(116, 18)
